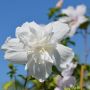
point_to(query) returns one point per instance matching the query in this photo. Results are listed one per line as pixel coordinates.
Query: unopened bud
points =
(59, 4)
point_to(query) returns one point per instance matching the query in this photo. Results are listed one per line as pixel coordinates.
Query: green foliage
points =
(60, 15)
(56, 17)
(55, 70)
(85, 25)
(52, 12)
(13, 85)
(22, 77)
(87, 73)
(12, 71)
(67, 42)
(7, 85)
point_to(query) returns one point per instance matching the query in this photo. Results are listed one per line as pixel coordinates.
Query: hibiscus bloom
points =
(37, 46)
(66, 80)
(75, 17)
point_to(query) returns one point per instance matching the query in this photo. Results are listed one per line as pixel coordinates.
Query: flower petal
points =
(69, 11)
(40, 71)
(12, 44)
(60, 30)
(66, 82)
(82, 19)
(16, 57)
(67, 72)
(65, 19)
(65, 53)
(81, 10)
(24, 29)
(15, 51)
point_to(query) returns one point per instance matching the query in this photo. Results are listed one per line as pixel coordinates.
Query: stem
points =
(15, 83)
(45, 88)
(81, 77)
(25, 83)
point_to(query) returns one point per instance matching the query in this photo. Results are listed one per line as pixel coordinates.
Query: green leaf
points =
(55, 70)
(7, 85)
(52, 12)
(12, 71)
(72, 43)
(67, 41)
(11, 66)
(84, 25)
(60, 15)
(13, 85)
(21, 76)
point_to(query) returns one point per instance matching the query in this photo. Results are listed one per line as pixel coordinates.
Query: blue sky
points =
(13, 13)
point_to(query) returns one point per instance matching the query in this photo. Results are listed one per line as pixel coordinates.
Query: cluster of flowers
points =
(38, 47)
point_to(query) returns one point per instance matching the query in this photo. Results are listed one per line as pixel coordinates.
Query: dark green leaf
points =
(55, 70)
(21, 76)
(84, 25)
(10, 66)
(72, 42)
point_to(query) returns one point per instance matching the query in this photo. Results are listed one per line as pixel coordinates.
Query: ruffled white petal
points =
(40, 71)
(65, 19)
(73, 29)
(38, 67)
(66, 82)
(81, 10)
(15, 51)
(16, 57)
(12, 44)
(67, 72)
(82, 19)
(24, 29)
(60, 30)
(69, 11)
(65, 53)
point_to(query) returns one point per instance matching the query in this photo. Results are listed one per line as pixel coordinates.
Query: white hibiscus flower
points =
(75, 17)
(66, 80)
(37, 47)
